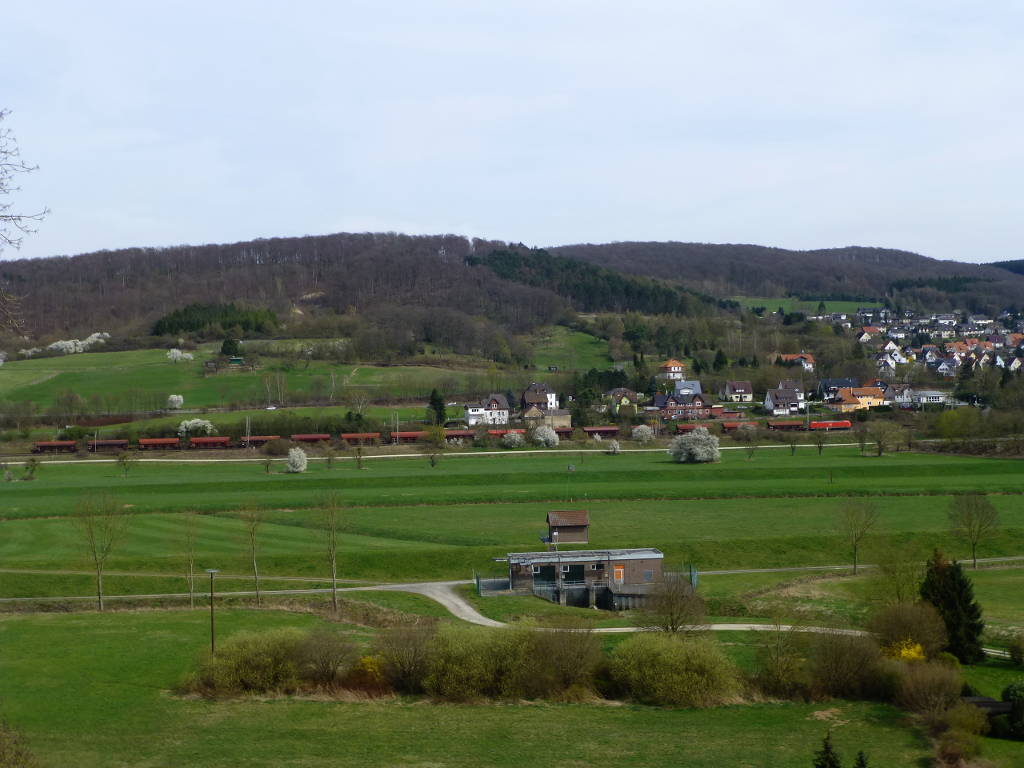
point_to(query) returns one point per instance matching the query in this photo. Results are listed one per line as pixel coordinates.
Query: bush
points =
(277, 447)
(663, 670)
(196, 427)
(643, 434)
(250, 662)
(569, 659)
(849, 666)
(1016, 649)
(929, 689)
(513, 440)
(965, 718)
(696, 447)
(613, 449)
(296, 461)
(324, 656)
(919, 623)
(779, 667)
(468, 663)
(1014, 693)
(14, 752)
(545, 436)
(405, 652)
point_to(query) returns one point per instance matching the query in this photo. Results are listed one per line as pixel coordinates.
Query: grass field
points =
(406, 521)
(790, 304)
(570, 350)
(112, 697)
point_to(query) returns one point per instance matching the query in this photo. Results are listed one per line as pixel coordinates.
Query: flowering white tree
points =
(546, 436)
(513, 440)
(196, 427)
(696, 447)
(296, 461)
(76, 346)
(174, 402)
(613, 449)
(176, 355)
(30, 351)
(3, 357)
(643, 434)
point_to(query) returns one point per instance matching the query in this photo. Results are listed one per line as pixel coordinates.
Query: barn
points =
(569, 527)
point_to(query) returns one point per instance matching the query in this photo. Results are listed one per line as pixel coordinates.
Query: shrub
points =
(175, 402)
(696, 447)
(14, 752)
(405, 653)
(965, 718)
(918, 623)
(569, 659)
(613, 449)
(513, 440)
(324, 656)
(929, 689)
(847, 666)
(296, 461)
(643, 434)
(780, 670)
(464, 664)
(277, 447)
(1016, 649)
(659, 669)
(545, 436)
(252, 662)
(954, 747)
(367, 674)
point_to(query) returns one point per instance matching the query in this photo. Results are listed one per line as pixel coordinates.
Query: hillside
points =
(851, 273)
(1016, 266)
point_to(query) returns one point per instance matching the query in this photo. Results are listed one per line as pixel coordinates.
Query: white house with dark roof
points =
(492, 410)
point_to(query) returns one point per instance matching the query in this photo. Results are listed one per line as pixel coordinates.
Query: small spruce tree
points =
(827, 757)
(230, 347)
(947, 587)
(862, 760)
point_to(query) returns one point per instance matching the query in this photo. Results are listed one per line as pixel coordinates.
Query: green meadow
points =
(108, 681)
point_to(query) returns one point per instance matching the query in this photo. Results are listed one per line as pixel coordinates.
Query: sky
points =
(801, 124)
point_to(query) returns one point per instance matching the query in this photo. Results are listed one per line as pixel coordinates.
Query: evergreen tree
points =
(230, 347)
(720, 360)
(947, 587)
(437, 414)
(827, 757)
(862, 760)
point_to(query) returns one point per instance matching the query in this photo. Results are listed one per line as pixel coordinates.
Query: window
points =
(648, 575)
(565, 569)
(536, 569)
(597, 566)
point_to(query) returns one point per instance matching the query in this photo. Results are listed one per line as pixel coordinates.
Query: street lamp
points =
(213, 643)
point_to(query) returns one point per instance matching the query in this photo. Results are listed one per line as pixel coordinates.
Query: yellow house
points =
(856, 399)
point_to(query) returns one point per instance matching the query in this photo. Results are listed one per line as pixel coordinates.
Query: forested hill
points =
(854, 273)
(1014, 266)
(470, 296)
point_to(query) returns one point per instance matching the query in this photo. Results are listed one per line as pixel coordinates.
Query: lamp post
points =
(213, 643)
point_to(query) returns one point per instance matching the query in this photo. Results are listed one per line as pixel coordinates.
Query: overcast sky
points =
(799, 124)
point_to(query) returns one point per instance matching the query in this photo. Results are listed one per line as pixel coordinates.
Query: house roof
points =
(673, 363)
(569, 517)
(584, 555)
(499, 401)
(793, 384)
(801, 356)
(739, 387)
(620, 392)
(693, 385)
(783, 395)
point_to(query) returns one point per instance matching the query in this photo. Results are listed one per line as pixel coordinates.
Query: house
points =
(672, 370)
(556, 418)
(807, 361)
(867, 333)
(569, 527)
(797, 386)
(686, 407)
(617, 579)
(493, 409)
(782, 402)
(684, 387)
(929, 397)
(622, 400)
(737, 392)
(540, 395)
(827, 388)
(857, 398)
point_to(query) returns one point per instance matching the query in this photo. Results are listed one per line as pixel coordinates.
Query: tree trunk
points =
(191, 585)
(256, 578)
(99, 587)
(334, 585)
